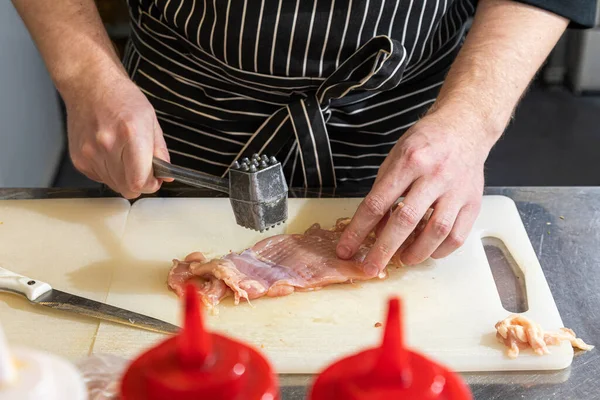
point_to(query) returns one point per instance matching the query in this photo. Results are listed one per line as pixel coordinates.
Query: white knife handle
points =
(30, 288)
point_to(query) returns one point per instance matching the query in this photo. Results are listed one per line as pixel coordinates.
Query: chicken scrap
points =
(278, 266)
(518, 333)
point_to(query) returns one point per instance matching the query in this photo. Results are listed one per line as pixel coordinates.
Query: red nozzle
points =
(195, 343)
(390, 371)
(199, 364)
(393, 361)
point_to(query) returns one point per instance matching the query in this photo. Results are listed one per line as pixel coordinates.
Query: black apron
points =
(326, 86)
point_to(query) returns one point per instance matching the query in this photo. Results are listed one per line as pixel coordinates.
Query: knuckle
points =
(375, 205)
(406, 215)
(352, 235)
(442, 226)
(129, 134)
(416, 158)
(88, 150)
(105, 141)
(385, 250)
(127, 125)
(456, 239)
(439, 170)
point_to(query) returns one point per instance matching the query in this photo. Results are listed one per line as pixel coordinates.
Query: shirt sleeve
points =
(581, 13)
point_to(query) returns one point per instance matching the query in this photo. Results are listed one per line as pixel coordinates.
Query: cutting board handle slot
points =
(508, 276)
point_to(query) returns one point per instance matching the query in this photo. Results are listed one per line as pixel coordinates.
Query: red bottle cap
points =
(197, 364)
(389, 372)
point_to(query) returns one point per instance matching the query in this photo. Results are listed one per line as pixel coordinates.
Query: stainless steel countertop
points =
(570, 258)
(569, 252)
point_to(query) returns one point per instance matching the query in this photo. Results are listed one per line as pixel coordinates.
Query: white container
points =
(27, 374)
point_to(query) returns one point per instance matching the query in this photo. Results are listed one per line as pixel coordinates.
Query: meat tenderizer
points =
(256, 187)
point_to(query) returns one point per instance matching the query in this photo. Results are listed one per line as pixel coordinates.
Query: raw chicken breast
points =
(277, 266)
(518, 332)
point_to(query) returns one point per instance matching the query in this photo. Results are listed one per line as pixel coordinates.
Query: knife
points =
(41, 293)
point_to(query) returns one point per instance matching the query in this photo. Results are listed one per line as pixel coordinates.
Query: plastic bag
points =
(102, 375)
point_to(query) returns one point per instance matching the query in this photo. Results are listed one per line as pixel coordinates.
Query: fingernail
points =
(371, 269)
(344, 251)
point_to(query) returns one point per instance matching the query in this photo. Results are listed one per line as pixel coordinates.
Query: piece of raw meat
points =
(278, 266)
(518, 332)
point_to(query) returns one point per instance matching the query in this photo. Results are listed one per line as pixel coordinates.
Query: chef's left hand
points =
(437, 163)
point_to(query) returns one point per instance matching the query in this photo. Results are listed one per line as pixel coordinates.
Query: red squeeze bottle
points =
(197, 364)
(389, 372)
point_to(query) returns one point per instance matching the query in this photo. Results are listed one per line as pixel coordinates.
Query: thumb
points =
(160, 147)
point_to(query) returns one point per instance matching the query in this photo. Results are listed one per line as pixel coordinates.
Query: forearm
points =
(507, 44)
(72, 40)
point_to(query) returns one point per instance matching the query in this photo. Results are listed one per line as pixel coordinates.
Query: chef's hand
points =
(113, 135)
(434, 164)
(439, 162)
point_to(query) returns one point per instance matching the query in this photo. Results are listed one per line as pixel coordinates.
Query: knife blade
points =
(41, 293)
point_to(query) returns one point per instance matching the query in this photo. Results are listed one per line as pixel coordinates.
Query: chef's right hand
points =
(114, 134)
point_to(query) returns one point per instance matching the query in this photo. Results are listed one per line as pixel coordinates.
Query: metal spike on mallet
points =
(257, 188)
(259, 196)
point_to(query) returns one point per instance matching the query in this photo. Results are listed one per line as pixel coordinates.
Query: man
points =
(333, 88)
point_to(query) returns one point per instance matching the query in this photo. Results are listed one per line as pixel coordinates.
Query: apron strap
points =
(376, 66)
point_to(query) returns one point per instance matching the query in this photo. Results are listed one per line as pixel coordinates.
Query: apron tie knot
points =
(300, 127)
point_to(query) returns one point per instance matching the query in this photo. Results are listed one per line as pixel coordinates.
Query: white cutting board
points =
(71, 244)
(450, 305)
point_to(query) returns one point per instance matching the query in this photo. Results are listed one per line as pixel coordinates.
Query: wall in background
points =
(31, 127)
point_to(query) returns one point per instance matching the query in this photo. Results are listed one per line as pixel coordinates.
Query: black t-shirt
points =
(581, 13)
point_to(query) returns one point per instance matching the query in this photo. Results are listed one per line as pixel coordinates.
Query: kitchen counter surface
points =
(563, 226)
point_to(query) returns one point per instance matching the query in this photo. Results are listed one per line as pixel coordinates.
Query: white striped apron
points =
(326, 86)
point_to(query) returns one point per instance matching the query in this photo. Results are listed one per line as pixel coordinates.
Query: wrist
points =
(81, 82)
(460, 123)
(465, 117)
